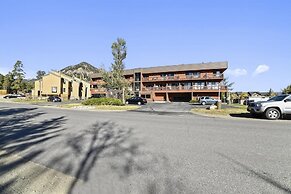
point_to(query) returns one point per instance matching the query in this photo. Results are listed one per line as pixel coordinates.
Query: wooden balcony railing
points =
(96, 90)
(179, 78)
(171, 88)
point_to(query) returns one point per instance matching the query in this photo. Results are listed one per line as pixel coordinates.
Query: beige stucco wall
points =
(54, 79)
(50, 81)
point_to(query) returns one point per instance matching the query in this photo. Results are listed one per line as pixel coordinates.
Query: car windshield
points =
(278, 98)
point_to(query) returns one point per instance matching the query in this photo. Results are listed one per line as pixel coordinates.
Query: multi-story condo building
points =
(172, 83)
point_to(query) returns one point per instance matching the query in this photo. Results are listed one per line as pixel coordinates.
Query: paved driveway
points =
(49, 150)
(169, 107)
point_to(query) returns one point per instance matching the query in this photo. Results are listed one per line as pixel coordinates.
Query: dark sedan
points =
(54, 99)
(136, 100)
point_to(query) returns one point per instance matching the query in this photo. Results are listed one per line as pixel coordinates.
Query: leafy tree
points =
(243, 95)
(1, 81)
(40, 74)
(27, 85)
(114, 79)
(287, 90)
(7, 82)
(18, 75)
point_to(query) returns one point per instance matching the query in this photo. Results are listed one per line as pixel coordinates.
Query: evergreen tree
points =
(228, 84)
(1, 81)
(18, 75)
(7, 82)
(271, 93)
(40, 74)
(287, 90)
(115, 79)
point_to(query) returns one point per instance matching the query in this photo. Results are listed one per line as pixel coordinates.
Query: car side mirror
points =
(287, 100)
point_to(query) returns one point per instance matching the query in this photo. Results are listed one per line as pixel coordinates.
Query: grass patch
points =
(73, 105)
(29, 101)
(222, 112)
(98, 107)
(103, 101)
(112, 107)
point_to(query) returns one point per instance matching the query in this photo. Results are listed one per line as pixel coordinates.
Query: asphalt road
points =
(143, 152)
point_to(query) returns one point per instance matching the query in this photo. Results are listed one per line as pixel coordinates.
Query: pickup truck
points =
(274, 108)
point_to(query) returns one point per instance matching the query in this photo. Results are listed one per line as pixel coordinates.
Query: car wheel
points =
(139, 103)
(203, 103)
(126, 102)
(272, 113)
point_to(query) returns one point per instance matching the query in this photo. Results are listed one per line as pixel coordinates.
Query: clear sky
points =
(254, 36)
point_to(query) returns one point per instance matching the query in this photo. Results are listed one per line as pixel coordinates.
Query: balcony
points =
(183, 78)
(183, 88)
(97, 90)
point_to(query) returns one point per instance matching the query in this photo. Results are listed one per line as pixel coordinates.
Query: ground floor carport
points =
(181, 96)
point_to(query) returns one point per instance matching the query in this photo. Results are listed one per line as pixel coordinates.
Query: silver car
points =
(274, 108)
(207, 100)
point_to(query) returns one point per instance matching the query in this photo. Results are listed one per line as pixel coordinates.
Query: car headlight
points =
(258, 104)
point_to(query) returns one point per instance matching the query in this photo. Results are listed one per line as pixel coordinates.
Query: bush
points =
(103, 101)
(194, 101)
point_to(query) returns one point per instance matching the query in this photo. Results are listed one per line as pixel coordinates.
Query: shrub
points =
(103, 101)
(194, 100)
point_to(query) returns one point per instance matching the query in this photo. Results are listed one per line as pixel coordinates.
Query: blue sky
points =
(254, 36)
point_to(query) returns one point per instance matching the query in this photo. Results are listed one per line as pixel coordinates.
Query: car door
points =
(287, 105)
(207, 100)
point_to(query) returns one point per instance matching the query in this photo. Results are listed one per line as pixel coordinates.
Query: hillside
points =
(81, 70)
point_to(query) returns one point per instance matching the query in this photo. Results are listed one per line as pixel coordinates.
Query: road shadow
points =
(263, 176)
(123, 155)
(19, 132)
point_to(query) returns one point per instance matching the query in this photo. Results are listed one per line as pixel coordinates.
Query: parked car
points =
(136, 100)
(274, 108)
(14, 96)
(207, 100)
(54, 99)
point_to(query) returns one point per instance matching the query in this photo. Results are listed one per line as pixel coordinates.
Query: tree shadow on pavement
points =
(117, 147)
(259, 175)
(19, 132)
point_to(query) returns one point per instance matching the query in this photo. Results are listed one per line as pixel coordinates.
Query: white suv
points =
(274, 108)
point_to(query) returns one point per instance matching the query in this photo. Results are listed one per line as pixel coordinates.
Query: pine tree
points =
(1, 81)
(18, 75)
(7, 82)
(287, 90)
(40, 74)
(115, 79)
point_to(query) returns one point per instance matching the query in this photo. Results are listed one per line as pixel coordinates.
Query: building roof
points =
(68, 78)
(175, 68)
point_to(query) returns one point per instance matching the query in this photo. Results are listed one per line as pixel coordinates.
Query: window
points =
(148, 96)
(137, 76)
(64, 82)
(288, 99)
(54, 89)
(217, 73)
(64, 89)
(196, 74)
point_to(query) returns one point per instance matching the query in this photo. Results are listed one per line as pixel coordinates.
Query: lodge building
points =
(58, 84)
(172, 83)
